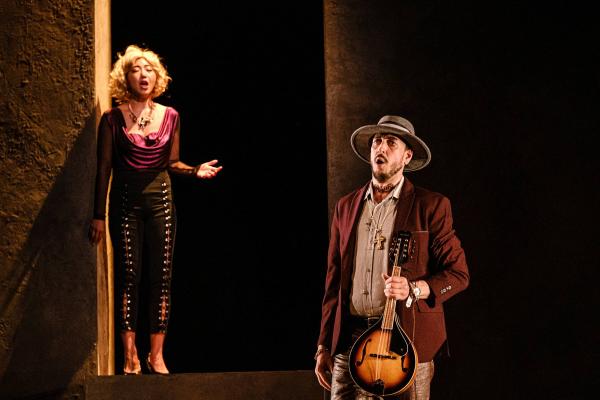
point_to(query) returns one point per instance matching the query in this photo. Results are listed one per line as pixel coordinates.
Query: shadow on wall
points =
(48, 308)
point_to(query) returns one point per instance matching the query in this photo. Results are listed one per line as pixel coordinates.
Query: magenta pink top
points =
(120, 150)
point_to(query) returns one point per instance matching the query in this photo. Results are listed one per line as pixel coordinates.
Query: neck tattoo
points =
(143, 120)
(384, 188)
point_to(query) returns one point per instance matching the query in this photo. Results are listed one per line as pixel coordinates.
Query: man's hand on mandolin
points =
(396, 287)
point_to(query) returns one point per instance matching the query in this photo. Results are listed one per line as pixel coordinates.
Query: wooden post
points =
(105, 343)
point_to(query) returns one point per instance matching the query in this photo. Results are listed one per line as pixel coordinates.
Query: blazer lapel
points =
(352, 224)
(405, 205)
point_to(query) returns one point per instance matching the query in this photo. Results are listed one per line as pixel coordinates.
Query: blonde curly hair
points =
(118, 86)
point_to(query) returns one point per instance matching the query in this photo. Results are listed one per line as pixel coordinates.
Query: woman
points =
(139, 141)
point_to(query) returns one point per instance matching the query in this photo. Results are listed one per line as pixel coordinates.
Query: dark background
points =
(506, 96)
(248, 82)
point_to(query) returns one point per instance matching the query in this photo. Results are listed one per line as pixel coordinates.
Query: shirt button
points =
(365, 291)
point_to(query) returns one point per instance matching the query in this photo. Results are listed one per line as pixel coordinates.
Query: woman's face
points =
(141, 79)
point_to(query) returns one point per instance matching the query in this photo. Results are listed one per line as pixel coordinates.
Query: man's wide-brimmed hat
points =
(398, 126)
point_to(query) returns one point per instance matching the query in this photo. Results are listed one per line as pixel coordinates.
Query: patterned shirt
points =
(371, 257)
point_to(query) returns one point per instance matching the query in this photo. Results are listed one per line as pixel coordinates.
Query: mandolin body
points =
(383, 361)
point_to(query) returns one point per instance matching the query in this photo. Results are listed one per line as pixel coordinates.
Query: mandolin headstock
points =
(400, 248)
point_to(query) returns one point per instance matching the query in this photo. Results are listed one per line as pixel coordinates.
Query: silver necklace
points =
(379, 239)
(142, 121)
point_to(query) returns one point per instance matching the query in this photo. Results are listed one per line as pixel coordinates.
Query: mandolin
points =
(383, 360)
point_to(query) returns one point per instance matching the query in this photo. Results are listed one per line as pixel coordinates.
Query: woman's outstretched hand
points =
(208, 170)
(96, 232)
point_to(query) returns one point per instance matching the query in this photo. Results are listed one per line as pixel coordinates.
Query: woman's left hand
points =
(208, 170)
(96, 231)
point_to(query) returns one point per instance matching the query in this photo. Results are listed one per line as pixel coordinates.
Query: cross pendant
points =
(379, 240)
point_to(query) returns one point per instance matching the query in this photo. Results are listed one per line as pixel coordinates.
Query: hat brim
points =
(360, 144)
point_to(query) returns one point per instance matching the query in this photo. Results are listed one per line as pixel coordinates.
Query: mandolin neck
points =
(390, 305)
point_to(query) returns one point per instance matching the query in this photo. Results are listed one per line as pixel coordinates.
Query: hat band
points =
(395, 125)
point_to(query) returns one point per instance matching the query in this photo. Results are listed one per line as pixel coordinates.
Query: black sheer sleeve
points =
(175, 165)
(104, 167)
(174, 156)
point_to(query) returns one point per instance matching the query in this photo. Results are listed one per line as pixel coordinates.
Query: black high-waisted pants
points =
(142, 218)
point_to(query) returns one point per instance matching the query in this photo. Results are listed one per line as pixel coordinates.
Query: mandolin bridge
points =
(382, 356)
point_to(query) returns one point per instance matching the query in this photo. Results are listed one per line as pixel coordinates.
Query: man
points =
(358, 282)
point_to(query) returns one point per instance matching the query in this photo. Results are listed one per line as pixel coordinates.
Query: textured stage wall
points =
(47, 134)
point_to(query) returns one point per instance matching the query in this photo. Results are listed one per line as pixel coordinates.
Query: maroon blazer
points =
(438, 259)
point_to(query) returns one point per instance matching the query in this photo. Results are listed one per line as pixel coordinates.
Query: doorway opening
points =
(251, 244)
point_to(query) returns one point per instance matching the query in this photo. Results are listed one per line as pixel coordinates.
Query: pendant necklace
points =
(379, 239)
(141, 121)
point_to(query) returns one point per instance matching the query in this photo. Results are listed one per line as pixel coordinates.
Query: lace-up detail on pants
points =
(165, 285)
(142, 217)
(127, 260)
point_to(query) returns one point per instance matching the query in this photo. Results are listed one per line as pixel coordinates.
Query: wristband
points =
(321, 349)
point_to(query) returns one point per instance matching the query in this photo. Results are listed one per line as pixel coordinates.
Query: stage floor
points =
(263, 385)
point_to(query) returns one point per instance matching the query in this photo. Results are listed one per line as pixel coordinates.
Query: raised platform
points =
(267, 385)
